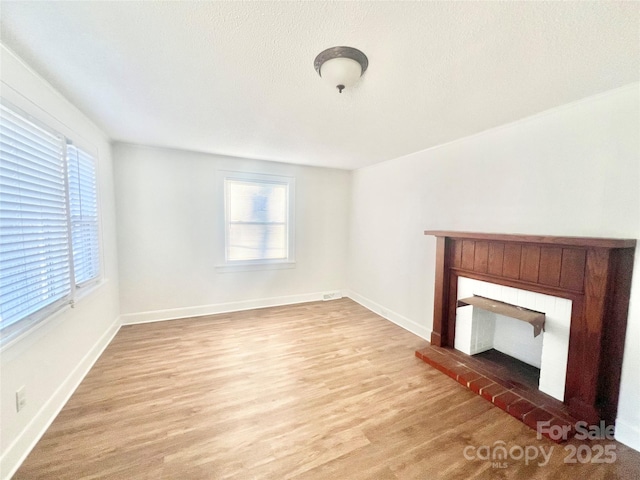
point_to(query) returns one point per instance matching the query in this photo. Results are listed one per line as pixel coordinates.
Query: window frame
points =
(97, 278)
(257, 178)
(10, 333)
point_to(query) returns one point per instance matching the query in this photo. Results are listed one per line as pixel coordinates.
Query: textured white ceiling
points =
(237, 78)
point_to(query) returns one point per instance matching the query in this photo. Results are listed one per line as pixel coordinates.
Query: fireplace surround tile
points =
(478, 330)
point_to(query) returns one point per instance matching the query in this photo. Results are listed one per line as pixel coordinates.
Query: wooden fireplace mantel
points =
(594, 273)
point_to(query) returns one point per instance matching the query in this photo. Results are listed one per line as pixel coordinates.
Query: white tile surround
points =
(478, 330)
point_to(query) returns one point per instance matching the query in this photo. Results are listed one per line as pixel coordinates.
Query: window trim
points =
(226, 265)
(10, 334)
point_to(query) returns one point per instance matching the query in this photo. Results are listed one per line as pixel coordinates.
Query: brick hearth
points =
(519, 400)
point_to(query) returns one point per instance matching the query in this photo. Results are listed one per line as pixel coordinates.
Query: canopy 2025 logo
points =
(585, 453)
(500, 454)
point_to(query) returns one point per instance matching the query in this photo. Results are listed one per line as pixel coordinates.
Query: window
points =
(258, 218)
(83, 206)
(48, 220)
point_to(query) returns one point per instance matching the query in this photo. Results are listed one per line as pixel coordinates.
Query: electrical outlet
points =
(21, 398)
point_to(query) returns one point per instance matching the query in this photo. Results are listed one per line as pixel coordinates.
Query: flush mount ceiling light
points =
(341, 66)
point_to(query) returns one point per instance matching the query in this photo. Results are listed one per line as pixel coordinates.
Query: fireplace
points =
(480, 328)
(594, 274)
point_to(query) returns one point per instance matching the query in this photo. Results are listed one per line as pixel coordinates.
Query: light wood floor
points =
(324, 390)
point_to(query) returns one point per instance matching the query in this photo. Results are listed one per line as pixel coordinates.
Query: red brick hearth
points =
(525, 403)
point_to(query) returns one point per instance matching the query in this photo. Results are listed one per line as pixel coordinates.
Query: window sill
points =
(86, 289)
(28, 328)
(249, 267)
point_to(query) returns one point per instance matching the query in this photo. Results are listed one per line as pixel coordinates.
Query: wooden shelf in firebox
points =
(535, 319)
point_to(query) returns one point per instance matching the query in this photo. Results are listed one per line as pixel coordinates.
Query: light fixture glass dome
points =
(341, 67)
(341, 72)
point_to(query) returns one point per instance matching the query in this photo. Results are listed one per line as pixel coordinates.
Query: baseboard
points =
(390, 315)
(17, 451)
(201, 310)
(628, 434)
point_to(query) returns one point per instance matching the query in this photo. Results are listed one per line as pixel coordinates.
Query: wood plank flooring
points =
(323, 390)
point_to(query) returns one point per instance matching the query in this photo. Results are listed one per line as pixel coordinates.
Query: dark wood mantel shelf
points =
(548, 240)
(594, 273)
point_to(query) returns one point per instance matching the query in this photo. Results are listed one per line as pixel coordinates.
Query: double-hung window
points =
(49, 234)
(258, 218)
(83, 206)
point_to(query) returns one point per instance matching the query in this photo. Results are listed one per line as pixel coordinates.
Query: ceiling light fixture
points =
(341, 66)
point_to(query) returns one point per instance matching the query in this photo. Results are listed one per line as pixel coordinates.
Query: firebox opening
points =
(515, 373)
(497, 326)
(505, 345)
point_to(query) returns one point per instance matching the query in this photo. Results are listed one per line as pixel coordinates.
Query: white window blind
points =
(83, 206)
(258, 218)
(34, 234)
(49, 230)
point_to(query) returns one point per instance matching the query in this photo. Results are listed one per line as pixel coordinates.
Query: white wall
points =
(169, 224)
(574, 170)
(51, 360)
